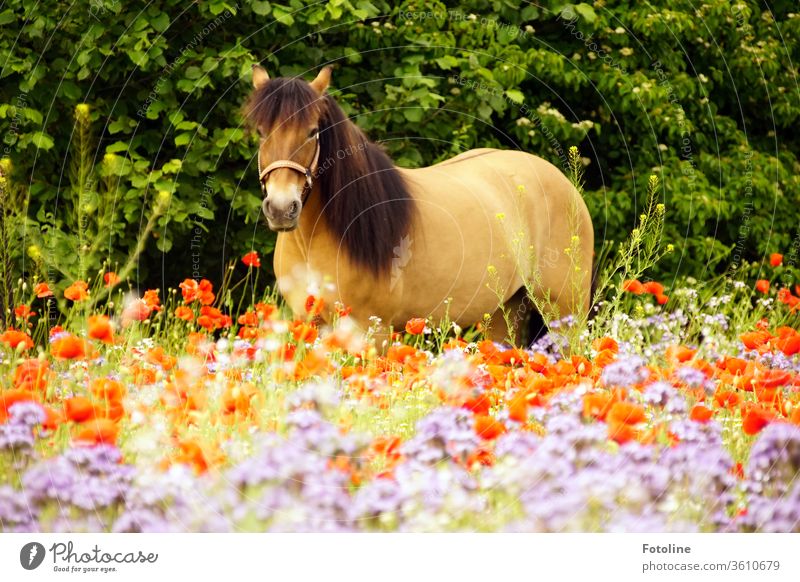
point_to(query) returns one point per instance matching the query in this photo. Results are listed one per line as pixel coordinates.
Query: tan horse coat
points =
(471, 210)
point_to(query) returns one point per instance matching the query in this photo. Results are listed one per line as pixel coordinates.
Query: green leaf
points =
(7, 16)
(160, 22)
(41, 140)
(183, 138)
(282, 15)
(586, 12)
(413, 114)
(261, 8)
(515, 96)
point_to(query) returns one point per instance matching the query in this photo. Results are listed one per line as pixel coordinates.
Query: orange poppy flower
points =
(304, 332)
(789, 345)
(604, 358)
(479, 403)
(23, 311)
(400, 353)
(755, 339)
(488, 428)
(633, 286)
(627, 413)
(597, 405)
(42, 290)
(152, 300)
(68, 348)
(107, 389)
(78, 409)
(795, 417)
(100, 329)
(762, 286)
(194, 291)
(110, 279)
(192, 454)
(518, 408)
(775, 259)
(184, 313)
(653, 288)
(662, 299)
(700, 413)
(8, 398)
(16, 340)
(679, 353)
(31, 375)
(78, 291)
(621, 432)
(727, 399)
(97, 431)
(314, 305)
(605, 343)
(415, 325)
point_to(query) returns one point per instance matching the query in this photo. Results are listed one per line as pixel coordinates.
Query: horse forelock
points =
(366, 203)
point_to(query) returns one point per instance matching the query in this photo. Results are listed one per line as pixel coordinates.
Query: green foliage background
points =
(705, 94)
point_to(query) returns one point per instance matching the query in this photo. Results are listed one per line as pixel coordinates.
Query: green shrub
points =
(702, 94)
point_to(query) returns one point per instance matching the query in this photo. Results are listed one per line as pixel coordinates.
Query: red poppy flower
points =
(762, 286)
(111, 279)
(314, 305)
(252, 259)
(775, 259)
(755, 419)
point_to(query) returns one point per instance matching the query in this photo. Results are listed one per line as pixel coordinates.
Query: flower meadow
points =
(679, 411)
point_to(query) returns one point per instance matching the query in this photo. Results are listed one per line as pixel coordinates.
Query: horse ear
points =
(320, 84)
(260, 76)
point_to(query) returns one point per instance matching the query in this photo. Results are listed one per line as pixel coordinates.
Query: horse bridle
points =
(307, 172)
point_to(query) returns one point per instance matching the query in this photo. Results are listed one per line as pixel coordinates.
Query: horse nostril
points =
(294, 209)
(265, 207)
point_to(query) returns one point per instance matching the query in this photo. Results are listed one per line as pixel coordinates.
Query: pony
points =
(471, 239)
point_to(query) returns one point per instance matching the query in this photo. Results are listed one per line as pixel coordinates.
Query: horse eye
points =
(313, 132)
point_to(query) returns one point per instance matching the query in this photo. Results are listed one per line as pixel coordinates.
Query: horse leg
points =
(517, 309)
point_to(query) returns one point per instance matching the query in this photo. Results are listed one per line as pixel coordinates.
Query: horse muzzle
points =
(281, 218)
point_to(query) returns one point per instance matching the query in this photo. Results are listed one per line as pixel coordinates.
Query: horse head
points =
(287, 113)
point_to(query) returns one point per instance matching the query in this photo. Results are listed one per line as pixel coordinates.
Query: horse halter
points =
(308, 172)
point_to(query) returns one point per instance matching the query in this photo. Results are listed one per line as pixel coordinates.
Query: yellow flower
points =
(82, 111)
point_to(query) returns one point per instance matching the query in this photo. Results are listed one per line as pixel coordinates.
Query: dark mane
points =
(365, 201)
